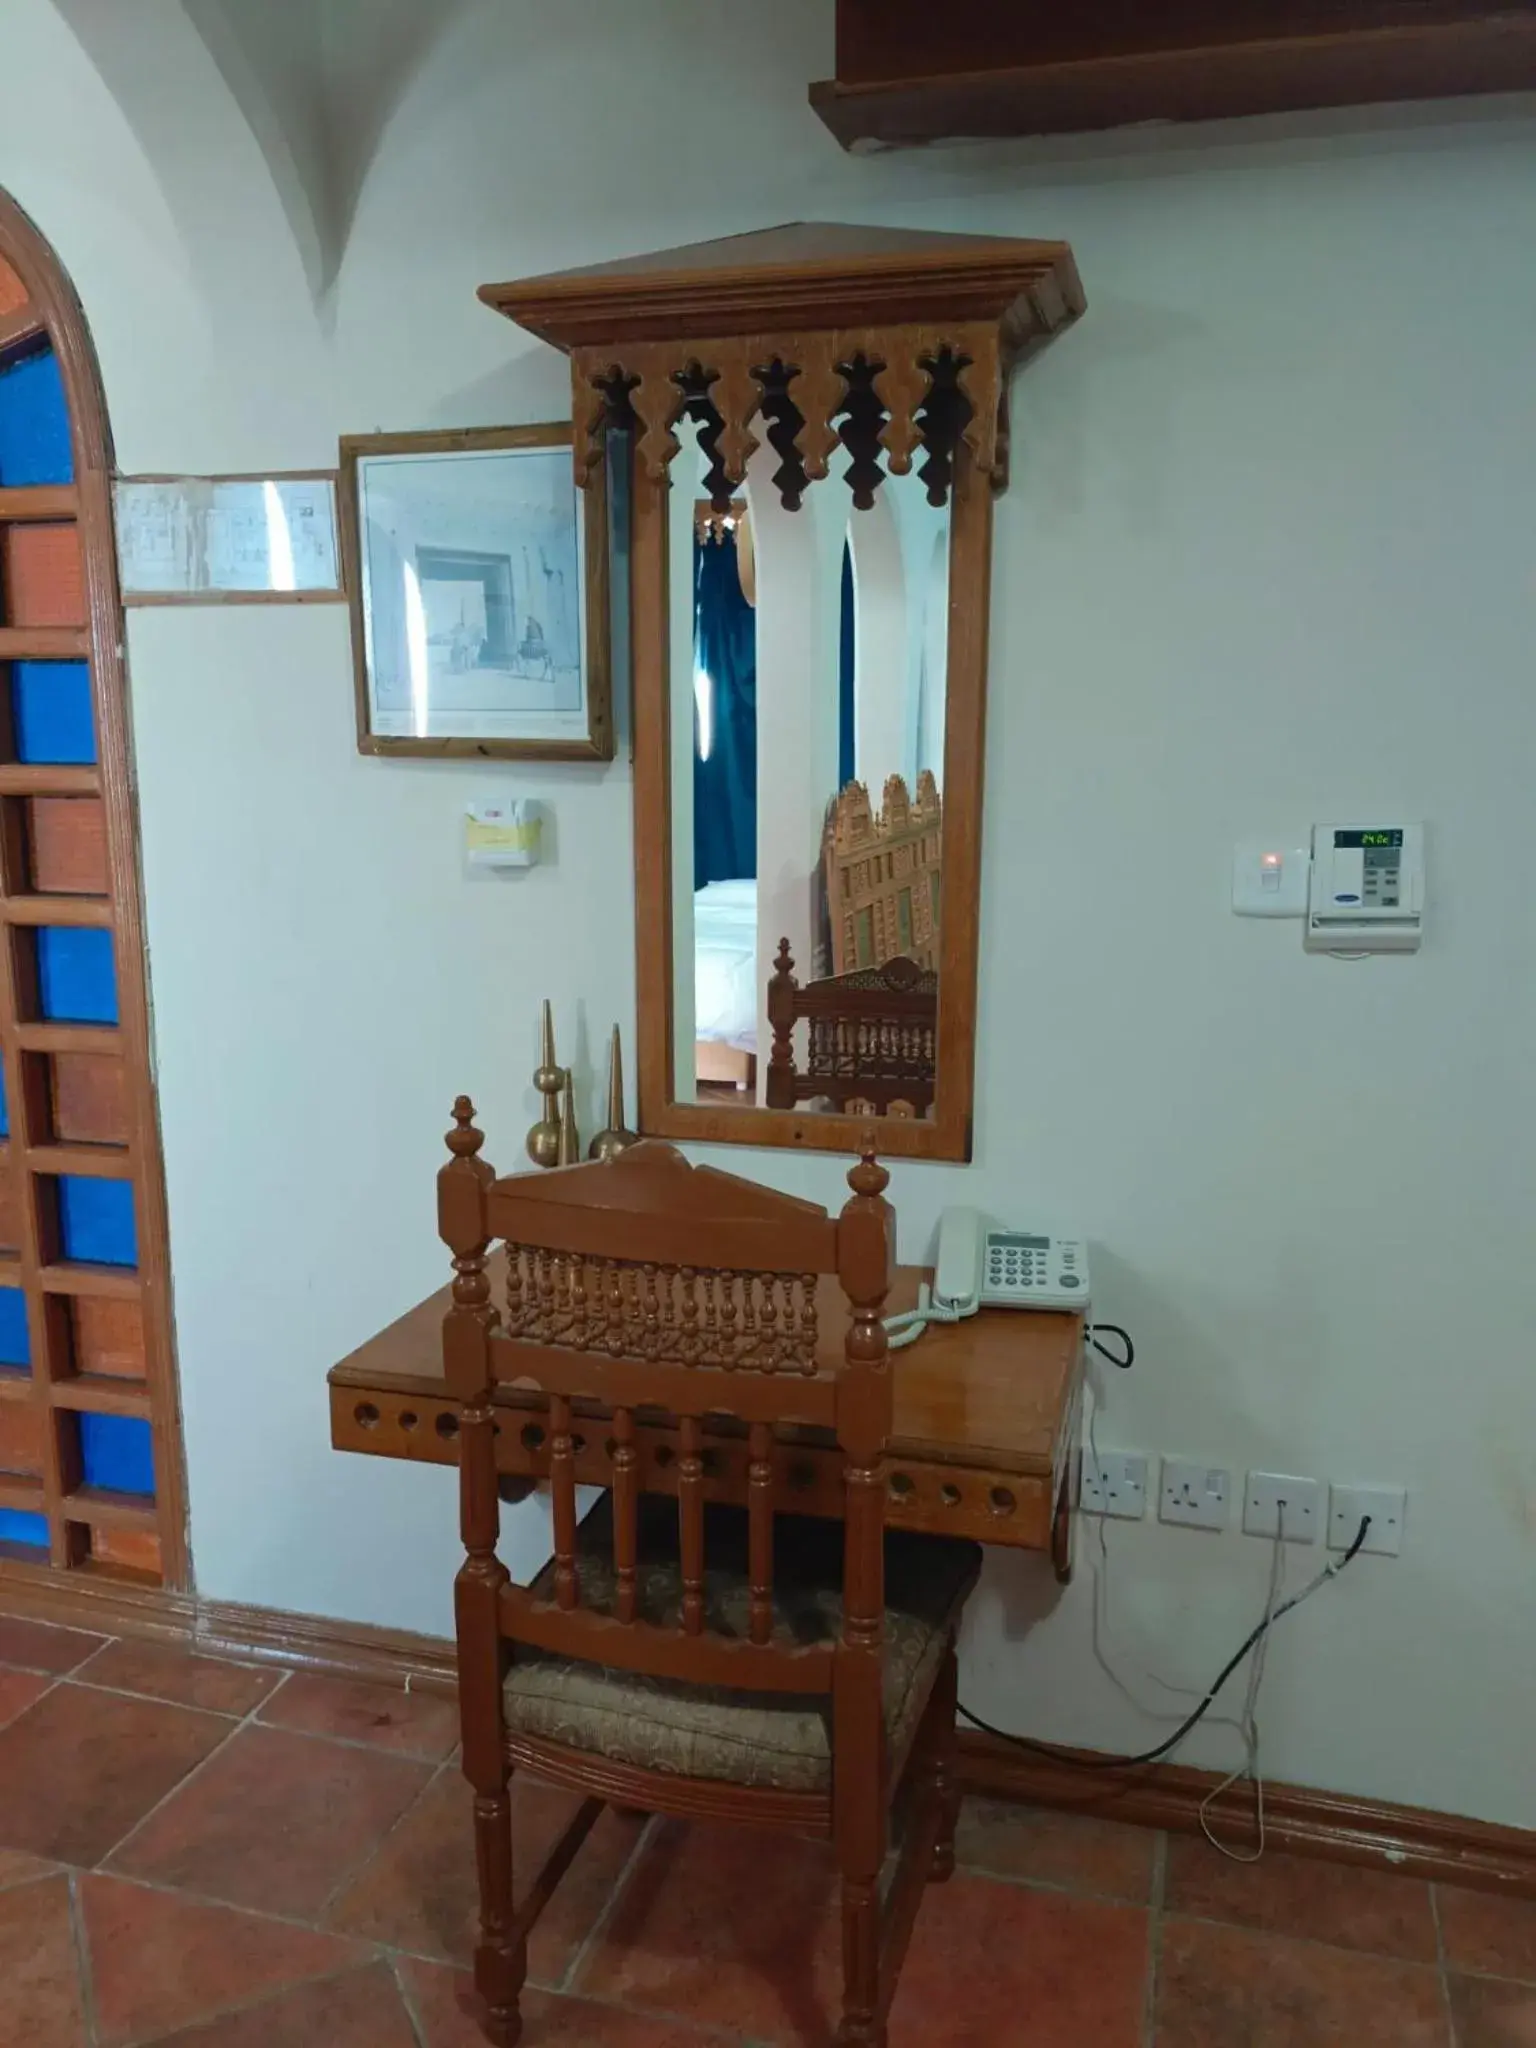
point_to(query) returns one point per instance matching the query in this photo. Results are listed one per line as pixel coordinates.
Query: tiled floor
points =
(201, 1854)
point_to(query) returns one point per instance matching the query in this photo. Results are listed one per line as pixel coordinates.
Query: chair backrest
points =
(676, 1299)
(872, 1037)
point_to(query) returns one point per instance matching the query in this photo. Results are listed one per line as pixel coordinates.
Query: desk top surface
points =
(996, 1389)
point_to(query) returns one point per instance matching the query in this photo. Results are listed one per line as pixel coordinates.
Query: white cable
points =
(1248, 1719)
(907, 1327)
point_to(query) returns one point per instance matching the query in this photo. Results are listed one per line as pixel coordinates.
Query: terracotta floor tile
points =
(983, 1955)
(728, 1927)
(1376, 1910)
(444, 2002)
(1074, 1850)
(1488, 1935)
(276, 1821)
(159, 1961)
(162, 1671)
(420, 1892)
(1492, 2015)
(361, 2009)
(1224, 1987)
(40, 1999)
(80, 1768)
(18, 1689)
(386, 1717)
(18, 1869)
(38, 1646)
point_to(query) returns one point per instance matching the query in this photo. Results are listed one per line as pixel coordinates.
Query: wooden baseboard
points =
(394, 1656)
(109, 1605)
(1330, 1825)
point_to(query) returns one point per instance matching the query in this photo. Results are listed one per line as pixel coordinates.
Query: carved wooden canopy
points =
(894, 342)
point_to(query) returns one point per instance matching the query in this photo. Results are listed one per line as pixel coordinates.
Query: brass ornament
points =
(614, 1138)
(543, 1141)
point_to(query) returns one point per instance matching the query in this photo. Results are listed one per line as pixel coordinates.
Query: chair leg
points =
(945, 1766)
(501, 1958)
(861, 2025)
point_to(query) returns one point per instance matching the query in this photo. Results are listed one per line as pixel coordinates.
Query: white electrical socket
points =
(1194, 1496)
(1303, 1506)
(1115, 1484)
(1349, 1505)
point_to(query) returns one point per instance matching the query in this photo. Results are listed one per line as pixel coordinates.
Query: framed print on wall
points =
(478, 577)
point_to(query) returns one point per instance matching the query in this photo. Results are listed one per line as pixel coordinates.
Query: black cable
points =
(1152, 1756)
(1129, 1359)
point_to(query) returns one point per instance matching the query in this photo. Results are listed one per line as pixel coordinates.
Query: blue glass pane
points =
(51, 711)
(115, 1451)
(34, 422)
(76, 981)
(5, 1113)
(96, 1220)
(15, 1347)
(15, 1527)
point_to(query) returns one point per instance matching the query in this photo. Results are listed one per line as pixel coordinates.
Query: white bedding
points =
(725, 992)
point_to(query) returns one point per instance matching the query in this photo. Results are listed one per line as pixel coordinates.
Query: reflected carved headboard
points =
(884, 872)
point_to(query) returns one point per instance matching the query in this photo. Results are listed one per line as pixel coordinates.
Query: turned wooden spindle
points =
(690, 1512)
(501, 1954)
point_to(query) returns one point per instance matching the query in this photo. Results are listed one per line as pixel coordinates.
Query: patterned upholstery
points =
(776, 1740)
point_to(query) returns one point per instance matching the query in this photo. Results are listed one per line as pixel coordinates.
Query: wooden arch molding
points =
(80, 1095)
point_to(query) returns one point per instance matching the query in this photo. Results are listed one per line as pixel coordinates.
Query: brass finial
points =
(614, 1138)
(570, 1137)
(544, 1137)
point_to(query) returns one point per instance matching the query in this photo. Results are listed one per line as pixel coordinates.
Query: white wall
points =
(1265, 559)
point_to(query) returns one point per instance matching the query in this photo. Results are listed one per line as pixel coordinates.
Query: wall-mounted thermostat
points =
(1367, 893)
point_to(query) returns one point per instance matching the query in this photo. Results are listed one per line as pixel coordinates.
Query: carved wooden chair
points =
(872, 1037)
(680, 1654)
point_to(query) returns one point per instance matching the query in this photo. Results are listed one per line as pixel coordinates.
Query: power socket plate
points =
(1387, 1507)
(1115, 1484)
(1303, 1506)
(1193, 1495)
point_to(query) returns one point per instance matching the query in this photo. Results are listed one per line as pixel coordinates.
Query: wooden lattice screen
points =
(90, 1454)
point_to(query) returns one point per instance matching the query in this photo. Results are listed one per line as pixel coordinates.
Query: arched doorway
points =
(91, 1485)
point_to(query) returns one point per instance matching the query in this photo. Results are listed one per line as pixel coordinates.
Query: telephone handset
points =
(983, 1265)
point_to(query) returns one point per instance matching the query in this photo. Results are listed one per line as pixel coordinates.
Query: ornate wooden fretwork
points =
(682, 1315)
(891, 396)
(894, 343)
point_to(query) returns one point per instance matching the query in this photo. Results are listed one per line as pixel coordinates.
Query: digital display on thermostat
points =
(1369, 838)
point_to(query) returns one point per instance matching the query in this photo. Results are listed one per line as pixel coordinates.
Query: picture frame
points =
(478, 579)
(244, 539)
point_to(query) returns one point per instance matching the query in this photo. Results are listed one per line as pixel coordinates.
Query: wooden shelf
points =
(23, 1496)
(39, 501)
(909, 74)
(71, 910)
(100, 1040)
(10, 1269)
(99, 1508)
(44, 643)
(79, 1276)
(95, 1393)
(94, 1162)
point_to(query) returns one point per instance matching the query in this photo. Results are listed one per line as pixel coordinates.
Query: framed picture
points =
(228, 539)
(478, 577)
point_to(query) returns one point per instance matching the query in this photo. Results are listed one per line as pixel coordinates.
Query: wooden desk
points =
(984, 1440)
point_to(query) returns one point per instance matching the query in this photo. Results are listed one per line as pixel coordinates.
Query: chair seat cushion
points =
(780, 1741)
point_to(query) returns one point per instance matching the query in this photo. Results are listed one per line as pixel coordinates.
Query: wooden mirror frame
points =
(814, 296)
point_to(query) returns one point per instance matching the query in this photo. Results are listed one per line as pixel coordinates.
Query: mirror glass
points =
(808, 670)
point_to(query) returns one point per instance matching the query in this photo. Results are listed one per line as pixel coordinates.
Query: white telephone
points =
(983, 1265)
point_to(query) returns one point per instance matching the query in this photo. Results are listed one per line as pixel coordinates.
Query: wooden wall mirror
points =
(816, 421)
